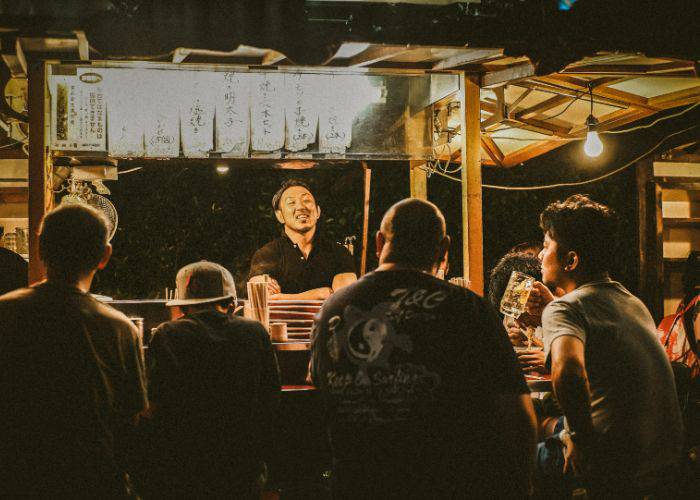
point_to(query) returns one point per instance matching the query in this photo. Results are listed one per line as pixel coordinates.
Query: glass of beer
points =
(517, 292)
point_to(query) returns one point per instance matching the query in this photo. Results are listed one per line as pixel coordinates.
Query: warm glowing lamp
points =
(593, 146)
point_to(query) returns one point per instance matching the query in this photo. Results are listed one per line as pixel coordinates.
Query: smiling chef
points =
(302, 264)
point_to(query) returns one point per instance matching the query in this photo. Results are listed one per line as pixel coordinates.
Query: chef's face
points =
(298, 210)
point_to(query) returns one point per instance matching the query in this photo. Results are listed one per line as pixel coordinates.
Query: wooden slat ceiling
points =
(523, 115)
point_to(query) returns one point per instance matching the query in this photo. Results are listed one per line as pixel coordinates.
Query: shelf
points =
(688, 183)
(674, 264)
(681, 221)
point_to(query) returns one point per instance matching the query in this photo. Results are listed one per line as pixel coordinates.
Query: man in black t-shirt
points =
(424, 396)
(214, 387)
(301, 263)
(71, 372)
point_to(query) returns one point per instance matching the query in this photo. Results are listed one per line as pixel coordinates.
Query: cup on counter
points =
(278, 332)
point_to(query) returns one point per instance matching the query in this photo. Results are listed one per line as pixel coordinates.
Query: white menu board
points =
(125, 113)
(78, 112)
(162, 124)
(267, 112)
(301, 110)
(336, 115)
(194, 89)
(232, 102)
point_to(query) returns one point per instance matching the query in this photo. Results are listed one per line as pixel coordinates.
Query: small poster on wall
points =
(125, 113)
(301, 111)
(336, 115)
(194, 88)
(78, 111)
(267, 112)
(162, 124)
(232, 119)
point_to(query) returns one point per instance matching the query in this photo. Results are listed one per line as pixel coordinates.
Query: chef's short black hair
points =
(286, 185)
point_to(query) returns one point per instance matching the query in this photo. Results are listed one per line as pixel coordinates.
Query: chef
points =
(301, 263)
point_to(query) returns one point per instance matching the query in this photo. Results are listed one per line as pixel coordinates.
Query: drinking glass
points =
(517, 292)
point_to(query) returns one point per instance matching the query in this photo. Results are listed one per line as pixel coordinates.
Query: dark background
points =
(171, 215)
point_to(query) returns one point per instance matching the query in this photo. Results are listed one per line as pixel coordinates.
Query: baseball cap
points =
(201, 283)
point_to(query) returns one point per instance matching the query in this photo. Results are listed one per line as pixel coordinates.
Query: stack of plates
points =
(298, 314)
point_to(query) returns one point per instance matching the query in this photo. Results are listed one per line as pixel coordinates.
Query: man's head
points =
(412, 234)
(579, 240)
(204, 285)
(295, 206)
(73, 242)
(500, 274)
(532, 248)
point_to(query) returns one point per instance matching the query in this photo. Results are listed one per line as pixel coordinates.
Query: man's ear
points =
(572, 261)
(379, 241)
(318, 212)
(105, 257)
(441, 257)
(278, 214)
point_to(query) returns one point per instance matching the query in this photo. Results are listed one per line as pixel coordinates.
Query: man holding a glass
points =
(623, 431)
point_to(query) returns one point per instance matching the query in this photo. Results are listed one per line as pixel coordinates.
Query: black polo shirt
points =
(285, 262)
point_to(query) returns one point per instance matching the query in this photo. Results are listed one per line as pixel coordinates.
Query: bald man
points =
(425, 397)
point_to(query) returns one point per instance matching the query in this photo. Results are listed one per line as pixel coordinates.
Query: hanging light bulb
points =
(593, 146)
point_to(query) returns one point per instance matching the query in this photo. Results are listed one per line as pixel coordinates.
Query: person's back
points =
(13, 271)
(70, 381)
(634, 406)
(413, 370)
(214, 385)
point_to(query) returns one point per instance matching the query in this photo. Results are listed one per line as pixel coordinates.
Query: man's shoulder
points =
(111, 315)
(395, 283)
(10, 256)
(17, 296)
(271, 246)
(189, 326)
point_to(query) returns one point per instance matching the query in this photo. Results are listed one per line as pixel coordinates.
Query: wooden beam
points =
(545, 105)
(376, 54)
(83, 45)
(491, 149)
(40, 188)
(472, 221)
(419, 180)
(12, 55)
(545, 84)
(628, 69)
(507, 74)
(514, 105)
(614, 120)
(469, 56)
(365, 216)
(13, 195)
(544, 126)
(673, 99)
(531, 151)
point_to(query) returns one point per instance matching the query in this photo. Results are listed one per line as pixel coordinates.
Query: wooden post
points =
(365, 217)
(419, 180)
(40, 186)
(472, 224)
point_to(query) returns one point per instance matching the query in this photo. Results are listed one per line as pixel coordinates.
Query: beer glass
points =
(517, 292)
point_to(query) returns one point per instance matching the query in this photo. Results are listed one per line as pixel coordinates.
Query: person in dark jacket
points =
(71, 372)
(13, 269)
(214, 386)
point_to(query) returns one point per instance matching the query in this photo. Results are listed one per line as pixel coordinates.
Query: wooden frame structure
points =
(508, 114)
(42, 158)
